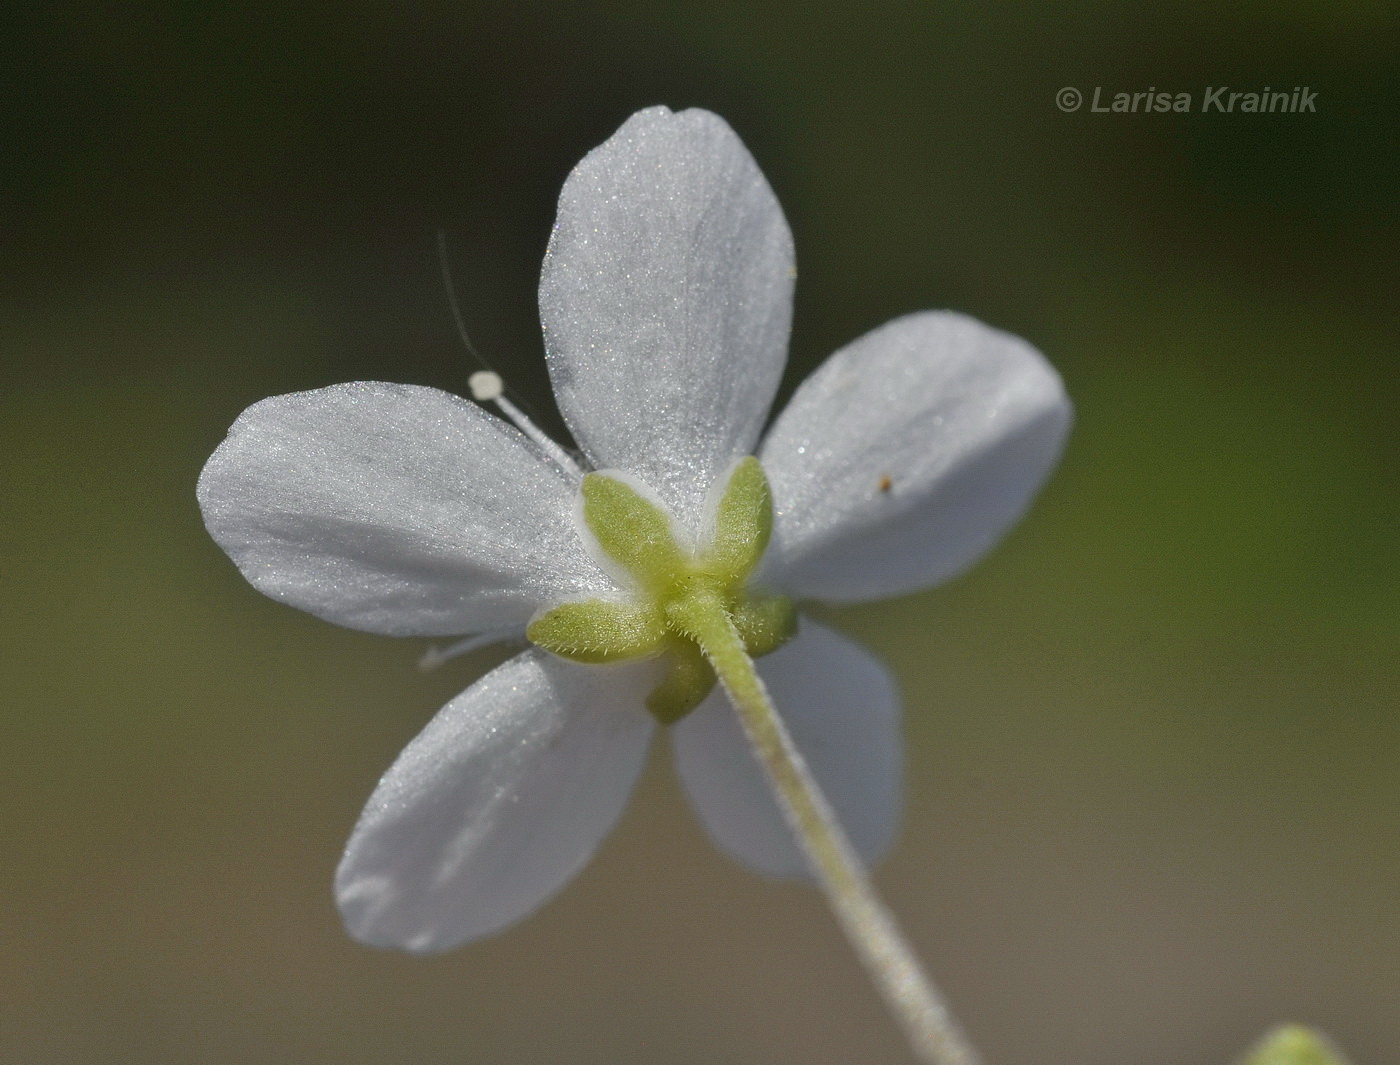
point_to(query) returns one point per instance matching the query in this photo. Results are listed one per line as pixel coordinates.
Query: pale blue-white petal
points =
(395, 509)
(907, 455)
(666, 298)
(496, 804)
(842, 708)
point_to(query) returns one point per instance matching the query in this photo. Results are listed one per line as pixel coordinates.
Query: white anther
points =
(486, 386)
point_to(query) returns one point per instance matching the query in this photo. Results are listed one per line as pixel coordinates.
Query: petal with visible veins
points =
(395, 509)
(666, 299)
(907, 455)
(496, 804)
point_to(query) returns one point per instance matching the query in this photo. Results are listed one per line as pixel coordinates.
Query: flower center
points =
(671, 582)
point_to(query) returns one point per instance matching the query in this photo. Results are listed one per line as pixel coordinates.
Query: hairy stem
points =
(910, 995)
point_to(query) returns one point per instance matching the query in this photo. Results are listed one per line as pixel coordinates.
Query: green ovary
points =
(635, 533)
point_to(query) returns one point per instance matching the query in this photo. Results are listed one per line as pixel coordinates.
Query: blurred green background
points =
(1153, 742)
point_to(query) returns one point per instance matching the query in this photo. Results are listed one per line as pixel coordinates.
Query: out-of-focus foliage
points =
(1292, 1044)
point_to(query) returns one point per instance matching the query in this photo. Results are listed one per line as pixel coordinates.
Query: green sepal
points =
(677, 590)
(633, 531)
(1293, 1044)
(743, 525)
(765, 623)
(597, 631)
(689, 678)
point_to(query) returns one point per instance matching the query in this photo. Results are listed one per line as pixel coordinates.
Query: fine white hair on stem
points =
(913, 999)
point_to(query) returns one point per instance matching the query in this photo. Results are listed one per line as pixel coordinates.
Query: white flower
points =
(666, 298)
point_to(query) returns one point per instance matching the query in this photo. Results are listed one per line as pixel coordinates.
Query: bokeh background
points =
(1153, 742)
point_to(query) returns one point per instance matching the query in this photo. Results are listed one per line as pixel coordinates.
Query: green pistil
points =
(636, 533)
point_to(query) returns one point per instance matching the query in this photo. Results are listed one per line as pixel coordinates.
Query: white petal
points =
(394, 509)
(666, 299)
(907, 455)
(842, 708)
(496, 804)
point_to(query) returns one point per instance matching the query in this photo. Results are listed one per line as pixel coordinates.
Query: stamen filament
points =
(521, 421)
(487, 387)
(916, 1004)
(436, 656)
